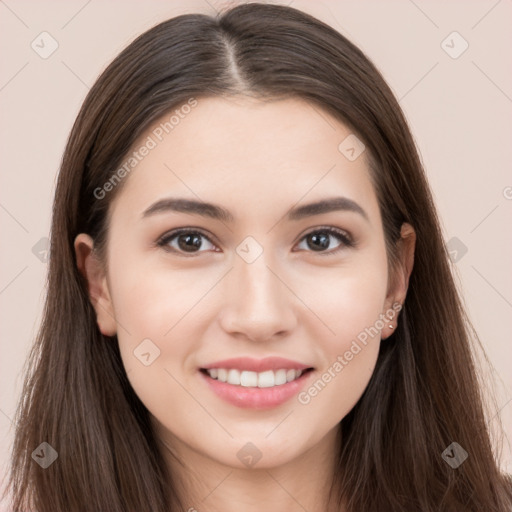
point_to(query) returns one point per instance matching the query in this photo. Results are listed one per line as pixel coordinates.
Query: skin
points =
(258, 160)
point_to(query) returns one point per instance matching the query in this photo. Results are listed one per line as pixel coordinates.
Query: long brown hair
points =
(424, 392)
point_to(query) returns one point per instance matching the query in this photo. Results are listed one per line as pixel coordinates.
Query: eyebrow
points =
(217, 212)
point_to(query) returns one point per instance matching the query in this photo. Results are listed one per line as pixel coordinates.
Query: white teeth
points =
(267, 379)
(233, 377)
(280, 377)
(249, 379)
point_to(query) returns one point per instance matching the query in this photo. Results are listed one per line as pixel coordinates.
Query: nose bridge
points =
(258, 281)
(259, 304)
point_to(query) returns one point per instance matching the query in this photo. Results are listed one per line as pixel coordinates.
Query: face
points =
(255, 294)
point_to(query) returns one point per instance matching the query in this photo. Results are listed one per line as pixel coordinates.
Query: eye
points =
(188, 240)
(320, 239)
(185, 241)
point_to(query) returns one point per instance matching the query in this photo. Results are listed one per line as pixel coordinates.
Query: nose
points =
(258, 304)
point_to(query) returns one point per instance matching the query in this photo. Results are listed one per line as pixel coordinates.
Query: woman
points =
(250, 304)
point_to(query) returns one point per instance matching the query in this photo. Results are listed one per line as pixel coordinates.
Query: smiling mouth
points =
(250, 379)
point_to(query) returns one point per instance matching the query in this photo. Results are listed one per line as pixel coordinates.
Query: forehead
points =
(249, 155)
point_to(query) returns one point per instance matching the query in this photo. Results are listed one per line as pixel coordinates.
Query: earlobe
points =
(93, 272)
(402, 274)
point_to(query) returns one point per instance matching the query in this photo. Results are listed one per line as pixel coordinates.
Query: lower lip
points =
(256, 398)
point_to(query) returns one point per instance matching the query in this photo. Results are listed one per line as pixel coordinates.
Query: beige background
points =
(459, 111)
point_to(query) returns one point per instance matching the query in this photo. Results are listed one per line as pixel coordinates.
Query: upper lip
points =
(257, 365)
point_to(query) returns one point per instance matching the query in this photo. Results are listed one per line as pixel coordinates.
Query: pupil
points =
(323, 240)
(189, 241)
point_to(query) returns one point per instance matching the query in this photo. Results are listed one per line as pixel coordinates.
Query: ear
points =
(93, 271)
(400, 278)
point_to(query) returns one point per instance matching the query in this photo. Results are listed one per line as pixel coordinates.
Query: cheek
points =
(349, 301)
(150, 299)
(348, 356)
(350, 308)
(335, 390)
(154, 346)
(162, 313)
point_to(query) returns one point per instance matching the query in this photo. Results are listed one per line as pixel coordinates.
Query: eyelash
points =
(342, 236)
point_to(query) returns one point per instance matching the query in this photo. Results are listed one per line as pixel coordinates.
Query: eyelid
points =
(330, 229)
